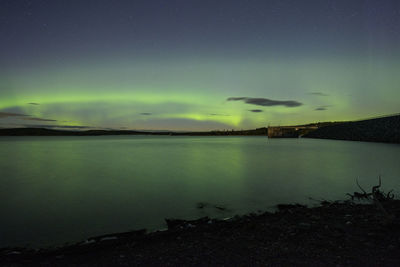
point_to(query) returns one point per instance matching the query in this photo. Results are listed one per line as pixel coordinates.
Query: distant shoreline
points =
(52, 132)
(384, 129)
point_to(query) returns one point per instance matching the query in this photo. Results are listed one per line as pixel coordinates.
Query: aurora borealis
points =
(196, 65)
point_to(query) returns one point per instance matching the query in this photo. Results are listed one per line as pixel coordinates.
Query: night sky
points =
(196, 65)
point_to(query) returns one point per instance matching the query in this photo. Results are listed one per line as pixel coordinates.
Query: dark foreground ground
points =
(333, 234)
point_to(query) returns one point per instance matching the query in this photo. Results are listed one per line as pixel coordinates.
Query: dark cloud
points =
(57, 126)
(321, 108)
(216, 114)
(49, 126)
(318, 94)
(266, 102)
(256, 110)
(9, 114)
(35, 104)
(37, 119)
(22, 116)
(146, 113)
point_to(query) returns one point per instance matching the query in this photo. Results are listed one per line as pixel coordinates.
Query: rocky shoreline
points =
(339, 233)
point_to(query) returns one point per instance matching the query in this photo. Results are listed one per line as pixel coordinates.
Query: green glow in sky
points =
(192, 95)
(174, 65)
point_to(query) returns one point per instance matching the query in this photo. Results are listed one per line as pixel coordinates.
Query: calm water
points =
(58, 189)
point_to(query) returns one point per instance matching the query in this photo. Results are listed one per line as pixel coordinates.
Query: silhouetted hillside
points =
(258, 131)
(51, 132)
(386, 129)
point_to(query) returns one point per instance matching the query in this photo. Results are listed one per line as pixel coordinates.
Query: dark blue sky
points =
(36, 29)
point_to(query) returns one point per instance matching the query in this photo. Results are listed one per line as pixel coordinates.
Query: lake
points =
(65, 189)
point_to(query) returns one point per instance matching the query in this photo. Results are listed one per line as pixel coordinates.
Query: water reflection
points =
(57, 189)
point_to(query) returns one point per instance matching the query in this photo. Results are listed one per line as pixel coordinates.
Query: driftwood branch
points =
(378, 196)
(375, 189)
(360, 186)
(359, 196)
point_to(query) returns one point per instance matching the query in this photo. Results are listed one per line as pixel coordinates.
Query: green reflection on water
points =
(57, 189)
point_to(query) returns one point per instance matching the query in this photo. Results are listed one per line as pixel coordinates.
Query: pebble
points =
(315, 217)
(14, 253)
(369, 244)
(108, 238)
(303, 225)
(87, 242)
